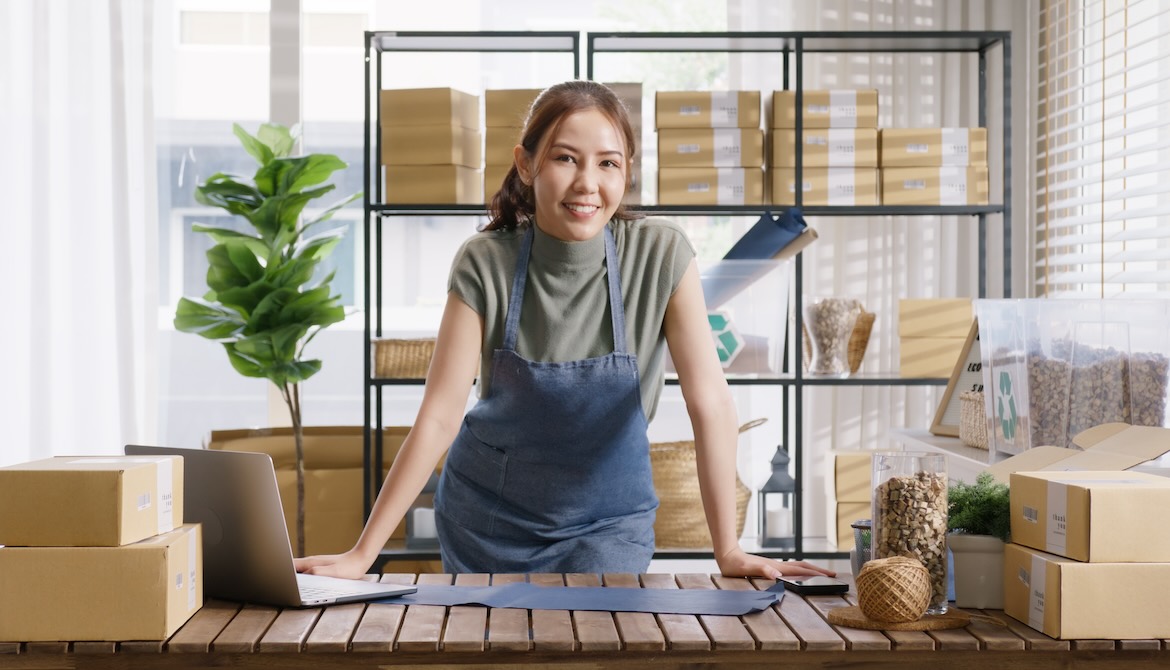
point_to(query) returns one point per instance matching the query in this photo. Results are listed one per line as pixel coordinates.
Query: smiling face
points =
(581, 178)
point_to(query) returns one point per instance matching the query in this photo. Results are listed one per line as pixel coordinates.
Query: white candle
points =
(779, 522)
(422, 522)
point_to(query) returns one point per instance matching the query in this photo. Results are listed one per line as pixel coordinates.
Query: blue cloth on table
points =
(524, 595)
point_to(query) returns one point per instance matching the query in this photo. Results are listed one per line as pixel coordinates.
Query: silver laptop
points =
(247, 556)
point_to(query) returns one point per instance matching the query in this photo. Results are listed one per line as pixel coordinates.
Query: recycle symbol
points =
(728, 342)
(1007, 415)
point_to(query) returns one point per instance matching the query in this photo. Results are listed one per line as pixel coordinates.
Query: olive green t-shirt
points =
(566, 314)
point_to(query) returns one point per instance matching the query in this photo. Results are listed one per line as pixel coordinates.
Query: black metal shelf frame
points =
(793, 46)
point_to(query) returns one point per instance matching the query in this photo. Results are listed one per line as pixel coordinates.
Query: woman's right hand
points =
(349, 565)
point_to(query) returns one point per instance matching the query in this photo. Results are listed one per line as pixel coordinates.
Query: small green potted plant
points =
(266, 299)
(979, 523)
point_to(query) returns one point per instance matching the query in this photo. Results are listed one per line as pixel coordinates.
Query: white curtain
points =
(77, 182)
(882, 259)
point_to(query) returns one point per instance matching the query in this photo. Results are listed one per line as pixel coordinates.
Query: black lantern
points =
(776, 521)
(420, 518)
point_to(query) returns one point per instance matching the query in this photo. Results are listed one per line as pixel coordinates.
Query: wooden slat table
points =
(794, 633)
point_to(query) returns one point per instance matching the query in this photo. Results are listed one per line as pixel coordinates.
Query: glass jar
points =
(910, 514)
(829, 323)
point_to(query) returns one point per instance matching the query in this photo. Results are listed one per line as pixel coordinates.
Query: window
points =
(1103, 139)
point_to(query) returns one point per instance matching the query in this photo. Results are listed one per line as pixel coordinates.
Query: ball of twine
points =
(893, 590)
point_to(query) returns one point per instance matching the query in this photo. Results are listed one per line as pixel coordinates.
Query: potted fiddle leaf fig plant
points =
(979, 521)
(266, 300)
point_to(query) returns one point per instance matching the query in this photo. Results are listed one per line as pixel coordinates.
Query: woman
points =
(565, 303)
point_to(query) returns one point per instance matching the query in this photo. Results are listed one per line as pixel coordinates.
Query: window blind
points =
(1103, 148)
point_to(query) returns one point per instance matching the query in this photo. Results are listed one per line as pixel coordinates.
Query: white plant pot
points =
(978, 570)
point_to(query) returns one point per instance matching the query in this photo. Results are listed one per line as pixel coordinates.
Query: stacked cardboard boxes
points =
(838, 142)
(851, 495)
(1090, 556)
(934, 166)
(710, 148)
(931, 334)
(94, 549)
(630, 93)
(432, 147)
(505, 111)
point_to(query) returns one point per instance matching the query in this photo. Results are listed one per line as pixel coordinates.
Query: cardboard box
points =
(826, 186)
(1069, 600)
(498, 144)
(827, 109)
(841, 519)
(707, 109)
(432, 184)
(711, 186)
(94, 501)
(630, 93)
(710, 147)
(934, 186)
(493, 178)
(507, 107)
(1109, 446)
(141, 591)
(432, 145)
(933, 147)
(826, 147)
(852, 476)
(935, 317)
(928, 356)
(1097, 516)
(428, 107)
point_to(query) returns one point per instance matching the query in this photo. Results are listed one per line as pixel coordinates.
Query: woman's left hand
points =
(738, 563)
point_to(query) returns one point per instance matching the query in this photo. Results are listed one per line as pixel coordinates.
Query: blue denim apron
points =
(551, 471)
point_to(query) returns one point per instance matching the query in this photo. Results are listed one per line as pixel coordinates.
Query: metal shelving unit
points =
(793, 47)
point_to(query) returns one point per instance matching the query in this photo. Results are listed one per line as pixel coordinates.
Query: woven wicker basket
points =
(972, 422)
(858, 341)
(681, 522)
(402, 359)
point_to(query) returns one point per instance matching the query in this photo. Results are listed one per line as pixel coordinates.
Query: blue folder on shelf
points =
(771, 237)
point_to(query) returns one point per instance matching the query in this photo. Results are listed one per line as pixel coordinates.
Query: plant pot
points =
(978, 570)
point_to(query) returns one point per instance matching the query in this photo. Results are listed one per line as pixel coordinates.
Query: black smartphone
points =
(815, 586)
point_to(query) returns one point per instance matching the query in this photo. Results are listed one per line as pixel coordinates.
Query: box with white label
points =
(90, 501)
(933, 147)
(711, 186)
(1095, 516)
(826, 186)
(845, 108)
(141, 591)
(710, 147)
(934, 186)
(826, 147)
(1070, 600)
(707, 109)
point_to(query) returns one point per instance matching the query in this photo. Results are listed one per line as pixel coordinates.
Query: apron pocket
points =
(471, 482)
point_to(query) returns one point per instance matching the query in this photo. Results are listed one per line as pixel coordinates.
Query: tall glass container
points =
(910, 514)
(830, 322)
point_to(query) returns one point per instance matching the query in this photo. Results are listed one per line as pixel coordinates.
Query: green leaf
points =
(227, 192)
(246, 299)
(221, 235)
(293, 273)
(278, 138)
(224, 273)
(982, 508)
(210, 321)
(328, 213)
(255, 148)
(308, 171)
(243, 364)
(277, 218)
(320, 246)
(269, 310)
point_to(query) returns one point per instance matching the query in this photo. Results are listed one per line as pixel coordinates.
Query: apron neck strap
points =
(520, 281)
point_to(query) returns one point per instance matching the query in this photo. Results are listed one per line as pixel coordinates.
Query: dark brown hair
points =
(515, 204)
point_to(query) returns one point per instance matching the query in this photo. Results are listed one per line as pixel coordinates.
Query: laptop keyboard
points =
(320, 592)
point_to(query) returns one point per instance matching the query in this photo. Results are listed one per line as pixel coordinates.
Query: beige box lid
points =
(428, 107)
